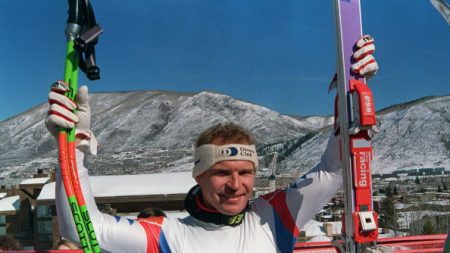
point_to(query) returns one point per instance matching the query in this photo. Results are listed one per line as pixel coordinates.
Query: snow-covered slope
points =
(139, 131)
(412, 135)
(146, 131)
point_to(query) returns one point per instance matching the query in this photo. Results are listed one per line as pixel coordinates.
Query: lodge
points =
(28, 211)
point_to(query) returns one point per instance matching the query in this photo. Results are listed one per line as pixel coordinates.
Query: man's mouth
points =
(234, 198)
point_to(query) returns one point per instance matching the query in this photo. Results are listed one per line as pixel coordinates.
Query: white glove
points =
(365, 64)
(60, 115)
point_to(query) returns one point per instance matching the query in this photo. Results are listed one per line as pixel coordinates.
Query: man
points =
(8, 242)
(150, 212)
(64, 244)
(222, 217)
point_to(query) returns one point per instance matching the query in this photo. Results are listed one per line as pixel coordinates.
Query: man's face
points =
(227, 186)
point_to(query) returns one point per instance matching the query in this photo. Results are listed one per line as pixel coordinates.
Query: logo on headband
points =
(230, 151)
(233, 151)
(246, 152)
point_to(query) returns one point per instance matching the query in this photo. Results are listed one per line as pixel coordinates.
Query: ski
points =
(357, 122)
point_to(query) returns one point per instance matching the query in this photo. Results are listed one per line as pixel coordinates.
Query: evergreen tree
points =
(417, 180)
(439, 188)
(388, 191)
(428, 227)
(395, 190)
(388, 215)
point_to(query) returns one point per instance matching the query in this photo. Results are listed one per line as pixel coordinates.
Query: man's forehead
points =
(233, 164)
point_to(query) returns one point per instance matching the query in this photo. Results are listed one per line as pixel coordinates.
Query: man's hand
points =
(364, 63)
(60, 115)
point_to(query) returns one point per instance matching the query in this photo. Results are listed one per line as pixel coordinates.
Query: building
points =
(18, 205)
(9, 207)
(28, 210)
(121, 194)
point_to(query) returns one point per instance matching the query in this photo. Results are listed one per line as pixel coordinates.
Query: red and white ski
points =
(357, 123)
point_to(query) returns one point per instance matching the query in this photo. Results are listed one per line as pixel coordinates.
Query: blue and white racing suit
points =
(271, 224)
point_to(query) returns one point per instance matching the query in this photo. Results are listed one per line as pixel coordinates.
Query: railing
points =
(405, 244)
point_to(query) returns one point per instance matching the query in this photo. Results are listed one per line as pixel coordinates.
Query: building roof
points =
(315, 228)
(37, 180)
(9, 204)
(132, 185)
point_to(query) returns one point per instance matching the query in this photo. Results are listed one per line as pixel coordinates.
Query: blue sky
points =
(279, 54)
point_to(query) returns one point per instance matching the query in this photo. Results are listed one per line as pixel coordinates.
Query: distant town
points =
(408, 202)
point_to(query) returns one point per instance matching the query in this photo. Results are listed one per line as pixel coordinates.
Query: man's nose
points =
(234, 181)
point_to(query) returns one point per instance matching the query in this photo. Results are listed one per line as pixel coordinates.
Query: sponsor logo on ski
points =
(368, 104)
(364, 163)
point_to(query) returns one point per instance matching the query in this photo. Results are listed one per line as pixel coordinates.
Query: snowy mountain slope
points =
(136, 126)
(151, 131)
(412, 135)
(315, 122)
(162, 120)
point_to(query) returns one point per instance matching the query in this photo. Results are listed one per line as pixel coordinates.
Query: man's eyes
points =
(221, 173)
(246, 172)
(227, 172)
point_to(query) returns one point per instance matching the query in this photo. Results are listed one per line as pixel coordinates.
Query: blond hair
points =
(225, 133)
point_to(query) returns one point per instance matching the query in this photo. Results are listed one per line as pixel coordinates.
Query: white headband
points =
(207, 155)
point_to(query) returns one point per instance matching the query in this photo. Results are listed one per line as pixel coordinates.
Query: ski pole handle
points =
(74, 12)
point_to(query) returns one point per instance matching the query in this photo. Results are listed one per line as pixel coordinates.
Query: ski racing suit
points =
(271, 223)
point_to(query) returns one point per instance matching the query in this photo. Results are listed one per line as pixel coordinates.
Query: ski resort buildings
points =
(28, 209)
(30, 213)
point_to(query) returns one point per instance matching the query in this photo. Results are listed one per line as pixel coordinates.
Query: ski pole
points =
(66, 138)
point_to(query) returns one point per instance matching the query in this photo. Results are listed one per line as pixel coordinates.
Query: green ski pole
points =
(67, 157)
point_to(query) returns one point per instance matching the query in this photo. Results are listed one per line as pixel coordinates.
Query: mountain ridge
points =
(151, 131)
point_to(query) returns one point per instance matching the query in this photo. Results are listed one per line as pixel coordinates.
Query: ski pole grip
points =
(74, 12)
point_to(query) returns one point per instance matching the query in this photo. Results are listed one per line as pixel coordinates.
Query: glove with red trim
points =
(60, 115)
(364, 62)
